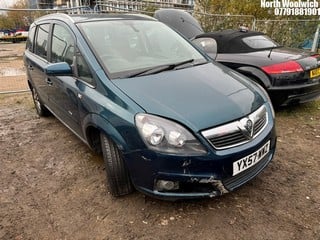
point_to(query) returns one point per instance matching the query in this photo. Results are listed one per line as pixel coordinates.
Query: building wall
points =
(43, 4)
(33, 4)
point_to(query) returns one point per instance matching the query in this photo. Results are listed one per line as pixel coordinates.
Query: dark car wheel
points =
(118, 178)
(42, 111)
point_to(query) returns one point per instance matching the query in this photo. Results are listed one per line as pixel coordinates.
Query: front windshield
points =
(260, 42)
(125, 46)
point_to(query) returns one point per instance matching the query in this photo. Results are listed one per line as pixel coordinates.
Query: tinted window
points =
(259, 42)
(41, 47)
(29, 44)
(62, 49)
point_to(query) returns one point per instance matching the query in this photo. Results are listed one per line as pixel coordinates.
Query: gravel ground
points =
(53, 187)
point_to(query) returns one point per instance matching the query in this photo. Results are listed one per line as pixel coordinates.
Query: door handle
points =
(49, 82)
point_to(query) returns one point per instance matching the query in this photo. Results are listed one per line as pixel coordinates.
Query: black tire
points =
(42, 111)
(118, 179)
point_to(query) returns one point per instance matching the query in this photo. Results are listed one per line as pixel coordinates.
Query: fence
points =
(12, 71)
(214, 22)
(286, 32)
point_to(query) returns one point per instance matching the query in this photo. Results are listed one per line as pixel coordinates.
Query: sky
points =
(7, 3)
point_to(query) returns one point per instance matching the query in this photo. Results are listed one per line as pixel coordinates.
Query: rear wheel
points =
(42, 111)
(118, 178)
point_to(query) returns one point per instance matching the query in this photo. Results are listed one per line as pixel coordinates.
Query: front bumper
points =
(197, 177)
(288, 95)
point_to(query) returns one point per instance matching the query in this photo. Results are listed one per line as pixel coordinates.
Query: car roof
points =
(77, 18)
(230, 40)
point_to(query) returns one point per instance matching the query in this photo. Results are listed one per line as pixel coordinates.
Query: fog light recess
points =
(164, 185)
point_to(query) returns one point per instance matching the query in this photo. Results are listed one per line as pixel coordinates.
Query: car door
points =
(36, 60)
(63, 94)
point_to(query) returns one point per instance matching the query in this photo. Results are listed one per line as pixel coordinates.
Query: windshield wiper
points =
(157, 69)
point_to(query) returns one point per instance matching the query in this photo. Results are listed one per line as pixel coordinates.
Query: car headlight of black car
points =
(163, 135)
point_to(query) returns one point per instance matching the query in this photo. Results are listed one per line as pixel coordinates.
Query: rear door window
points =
(41, 46)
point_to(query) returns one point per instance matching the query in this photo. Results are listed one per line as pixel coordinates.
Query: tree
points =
(149, 10)
(15, 19)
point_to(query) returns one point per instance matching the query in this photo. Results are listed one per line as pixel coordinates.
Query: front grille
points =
(228, 139)
(260, 123)
(238, 132)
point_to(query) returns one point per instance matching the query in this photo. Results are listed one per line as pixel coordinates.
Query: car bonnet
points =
(180, 20)
(199, 97)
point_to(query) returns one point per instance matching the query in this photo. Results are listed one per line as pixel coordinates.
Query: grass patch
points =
(307, 114)
(306, 109)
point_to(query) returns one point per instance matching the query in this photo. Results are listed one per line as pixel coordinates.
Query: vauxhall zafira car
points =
(168, 121)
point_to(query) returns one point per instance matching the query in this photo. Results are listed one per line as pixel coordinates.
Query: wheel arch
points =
(256, 75)
(94, 125)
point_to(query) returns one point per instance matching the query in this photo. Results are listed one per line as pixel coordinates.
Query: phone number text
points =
(297, 11)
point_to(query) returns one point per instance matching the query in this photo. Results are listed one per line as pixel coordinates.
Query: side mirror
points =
(208, 45)
(58, 69)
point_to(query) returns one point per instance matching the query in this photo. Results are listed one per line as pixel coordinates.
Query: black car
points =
(289, 75)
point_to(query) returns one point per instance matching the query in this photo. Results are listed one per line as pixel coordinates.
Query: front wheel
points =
(118, 178)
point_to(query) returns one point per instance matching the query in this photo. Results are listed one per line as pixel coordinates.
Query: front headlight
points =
(163, 135)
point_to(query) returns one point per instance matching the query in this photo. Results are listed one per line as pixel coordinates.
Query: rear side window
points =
(259, 42)
(41, 46)
(62, 49)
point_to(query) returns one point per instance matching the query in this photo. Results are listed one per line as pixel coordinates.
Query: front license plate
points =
(250, 160)
(314, 72)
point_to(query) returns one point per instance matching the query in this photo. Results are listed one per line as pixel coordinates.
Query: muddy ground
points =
(12, 71)
(53, 187)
